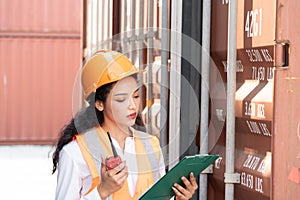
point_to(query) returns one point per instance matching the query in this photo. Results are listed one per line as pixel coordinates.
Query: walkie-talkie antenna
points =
(112, 146)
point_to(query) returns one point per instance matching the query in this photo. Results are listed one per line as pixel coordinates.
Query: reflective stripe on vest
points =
(94, 144)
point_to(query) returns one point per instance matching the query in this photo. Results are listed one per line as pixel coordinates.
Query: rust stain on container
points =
(40, 55)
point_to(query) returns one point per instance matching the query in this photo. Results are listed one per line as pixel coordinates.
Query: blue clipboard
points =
(162, 189)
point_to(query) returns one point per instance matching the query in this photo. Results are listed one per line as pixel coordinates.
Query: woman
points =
(110, 121)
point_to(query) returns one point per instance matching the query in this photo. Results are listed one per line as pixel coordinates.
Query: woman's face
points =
(122, 104)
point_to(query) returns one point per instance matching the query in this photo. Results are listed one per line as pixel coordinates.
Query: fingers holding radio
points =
(118, 175)
(112, 180)
(119, 169)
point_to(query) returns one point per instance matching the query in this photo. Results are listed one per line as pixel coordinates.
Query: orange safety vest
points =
(94, 144)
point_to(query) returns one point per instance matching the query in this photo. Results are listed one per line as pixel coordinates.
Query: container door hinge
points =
(232, 178)
(281, 49)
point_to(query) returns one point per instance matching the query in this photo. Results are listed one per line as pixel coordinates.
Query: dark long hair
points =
(87, 118)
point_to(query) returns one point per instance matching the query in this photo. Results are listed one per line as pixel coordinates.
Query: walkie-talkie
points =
(112, 161)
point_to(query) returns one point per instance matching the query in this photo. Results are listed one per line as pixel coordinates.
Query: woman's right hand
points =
(112, 180)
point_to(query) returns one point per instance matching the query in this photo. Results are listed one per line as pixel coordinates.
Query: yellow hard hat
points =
(104, 67)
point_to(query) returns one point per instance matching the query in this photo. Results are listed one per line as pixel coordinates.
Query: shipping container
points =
(266, 123)
(40, 54)
(254, 97)
(265, 141)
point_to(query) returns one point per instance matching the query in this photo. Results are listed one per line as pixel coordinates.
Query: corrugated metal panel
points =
(286, 156)
(37, 82)
(40, 54)
(40, 15)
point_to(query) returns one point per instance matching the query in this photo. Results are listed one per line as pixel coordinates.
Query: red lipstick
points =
(132, 116)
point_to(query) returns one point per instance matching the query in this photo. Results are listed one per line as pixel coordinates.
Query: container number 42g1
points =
(253, 24)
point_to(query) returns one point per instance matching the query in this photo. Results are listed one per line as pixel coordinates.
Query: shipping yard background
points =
(40, 53)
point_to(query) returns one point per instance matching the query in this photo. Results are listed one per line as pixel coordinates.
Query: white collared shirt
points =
(74, 177)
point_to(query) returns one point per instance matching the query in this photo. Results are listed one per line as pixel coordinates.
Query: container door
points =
(254, 97)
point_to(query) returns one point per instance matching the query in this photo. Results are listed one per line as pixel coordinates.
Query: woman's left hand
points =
(182, 193)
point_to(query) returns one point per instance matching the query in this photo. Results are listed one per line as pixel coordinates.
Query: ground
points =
(25, 172)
